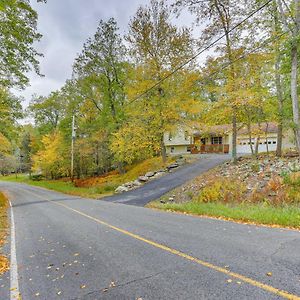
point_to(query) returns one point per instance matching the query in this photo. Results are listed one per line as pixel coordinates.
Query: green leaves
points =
(18, 32)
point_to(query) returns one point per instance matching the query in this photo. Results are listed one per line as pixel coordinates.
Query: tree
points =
(101, 72)
(18, 32)
(158, 47)
(10, 112)
(51, 159)
(47, 111)
(220, 17)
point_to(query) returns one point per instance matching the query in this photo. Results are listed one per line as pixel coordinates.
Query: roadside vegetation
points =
(262, 190)
(128, 89)
(4, 264)
(92, 187)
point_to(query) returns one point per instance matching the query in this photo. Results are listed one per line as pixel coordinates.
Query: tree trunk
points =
(294, 92)
(257, 145)
(163, 151)
(121, 168)
(279, 90)
(267, 140)
(250, 137)
(234, 135)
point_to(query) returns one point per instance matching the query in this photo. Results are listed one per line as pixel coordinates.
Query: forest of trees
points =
(126, 91)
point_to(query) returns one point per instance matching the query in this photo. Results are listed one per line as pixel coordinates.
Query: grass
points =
(66, 187)
(3, 231)
(95, 187)
(261, 213)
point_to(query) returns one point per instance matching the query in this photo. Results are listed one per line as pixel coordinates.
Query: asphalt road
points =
(156, 188)
(74, 248)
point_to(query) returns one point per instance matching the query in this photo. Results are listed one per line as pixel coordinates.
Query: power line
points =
(268, 41)
(199, 53)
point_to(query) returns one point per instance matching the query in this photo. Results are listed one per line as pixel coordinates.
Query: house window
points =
(203, 141)
(216, 140)
(189, 149)
(172, 149)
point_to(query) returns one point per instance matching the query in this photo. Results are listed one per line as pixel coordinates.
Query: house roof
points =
(270, 127)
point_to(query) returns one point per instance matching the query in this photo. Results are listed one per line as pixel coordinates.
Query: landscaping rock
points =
(143, 179)
(137, 183)
(128, 184)
(173, 166)
(121, 189)
(150, 174)
(159, 174)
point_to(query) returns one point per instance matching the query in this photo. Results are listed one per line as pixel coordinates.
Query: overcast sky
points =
(66, 25)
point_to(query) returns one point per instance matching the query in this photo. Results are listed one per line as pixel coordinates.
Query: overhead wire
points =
(181, 66)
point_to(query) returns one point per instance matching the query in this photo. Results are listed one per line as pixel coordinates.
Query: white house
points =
(218, 139)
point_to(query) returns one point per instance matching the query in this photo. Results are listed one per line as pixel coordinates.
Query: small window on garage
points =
(172, 149)
(269, 142)
(274, 142)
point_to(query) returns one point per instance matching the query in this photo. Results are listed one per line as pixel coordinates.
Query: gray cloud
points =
(66, 25)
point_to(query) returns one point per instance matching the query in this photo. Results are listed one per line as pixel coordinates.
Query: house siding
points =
(179, 141)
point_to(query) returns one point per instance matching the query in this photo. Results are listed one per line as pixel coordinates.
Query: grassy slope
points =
(56, 185)
(3, 230)
(93, 188)
(285, 216)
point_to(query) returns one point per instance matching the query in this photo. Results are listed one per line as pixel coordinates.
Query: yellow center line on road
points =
(266, 287)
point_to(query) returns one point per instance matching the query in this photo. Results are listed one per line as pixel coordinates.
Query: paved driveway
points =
(156, 188)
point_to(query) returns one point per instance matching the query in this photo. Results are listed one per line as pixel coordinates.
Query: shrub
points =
(37, 177)
(222, 190)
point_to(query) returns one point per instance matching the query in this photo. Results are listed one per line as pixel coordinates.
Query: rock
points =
(128, 184)
(171, 199)
(143, 179)
(150, 174)
(159, 174)
(137, 183)
(121, 189)
(173, 166)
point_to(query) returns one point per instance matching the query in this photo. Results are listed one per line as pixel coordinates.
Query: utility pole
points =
(72, 147)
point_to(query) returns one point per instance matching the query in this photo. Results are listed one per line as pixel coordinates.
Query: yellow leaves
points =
(5, 145)
(49, 158)
(269, 274)
(133, 142)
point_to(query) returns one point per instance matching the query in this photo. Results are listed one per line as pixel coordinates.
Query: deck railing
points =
(215, 148)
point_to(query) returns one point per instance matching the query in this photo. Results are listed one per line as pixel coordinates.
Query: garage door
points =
(243, 145)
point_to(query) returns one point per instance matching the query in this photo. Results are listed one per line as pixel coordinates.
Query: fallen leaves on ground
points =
(4, 264)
